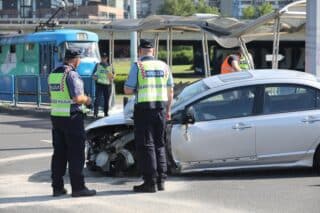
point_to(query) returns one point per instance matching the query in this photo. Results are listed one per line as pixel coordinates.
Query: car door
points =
(289, 125)
(222, 128)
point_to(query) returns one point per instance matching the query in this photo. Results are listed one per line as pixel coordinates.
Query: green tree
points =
(185, 8)
(265, 8)
(249, 12)
(202, 7)
(177, 7)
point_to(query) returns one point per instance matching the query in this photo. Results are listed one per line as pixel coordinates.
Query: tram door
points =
(46, 58)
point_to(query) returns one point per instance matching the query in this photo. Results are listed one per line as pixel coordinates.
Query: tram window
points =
(0, 49)
(29, 46)
(12, 48)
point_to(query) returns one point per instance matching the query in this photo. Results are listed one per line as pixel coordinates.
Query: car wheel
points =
(316, 161)
(91, 166)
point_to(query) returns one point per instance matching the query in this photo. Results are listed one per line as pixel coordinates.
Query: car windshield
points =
(190, 91)
(88, 49)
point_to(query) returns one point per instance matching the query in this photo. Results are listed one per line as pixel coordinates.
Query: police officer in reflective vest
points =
(151, 81)
(236, 62)
(103, 77)
(68, 136)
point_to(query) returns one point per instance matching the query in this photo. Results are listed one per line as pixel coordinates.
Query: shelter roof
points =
(225, 30)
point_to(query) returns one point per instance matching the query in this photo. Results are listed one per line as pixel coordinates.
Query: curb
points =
(26, 111)
(34, 111)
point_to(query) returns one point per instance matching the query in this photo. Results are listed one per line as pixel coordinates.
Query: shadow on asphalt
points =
(34, 124)
(249, 174)
(314, 185)
(90, 177)
(45, 198)
(24, 199)
(97, 177)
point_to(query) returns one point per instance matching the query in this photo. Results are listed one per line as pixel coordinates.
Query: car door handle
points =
(240, 126)
(310, 119)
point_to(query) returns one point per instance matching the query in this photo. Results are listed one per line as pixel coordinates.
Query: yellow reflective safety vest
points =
(101, 73)
(152, 81)
(243, 63)
(60, 97)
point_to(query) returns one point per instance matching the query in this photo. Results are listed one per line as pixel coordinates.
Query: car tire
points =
(316, 160)
(91, 166)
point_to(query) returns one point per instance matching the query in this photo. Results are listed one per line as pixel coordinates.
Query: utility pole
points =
(133, 35)
(312, 62)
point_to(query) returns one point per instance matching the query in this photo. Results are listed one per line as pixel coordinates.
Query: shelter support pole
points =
(156, 45)
(245, 51)
(169, 48)
(312, 64)
(111, 62)
(139, 38)
(276, 39)
(206, 58)
(111, 49)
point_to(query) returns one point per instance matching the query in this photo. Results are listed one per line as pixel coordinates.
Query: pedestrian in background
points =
(235, 62)
(67, 116)
(152, 83)
(103, 77)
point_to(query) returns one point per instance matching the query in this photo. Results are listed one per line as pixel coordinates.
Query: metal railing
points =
(95, 20)
(32, 88)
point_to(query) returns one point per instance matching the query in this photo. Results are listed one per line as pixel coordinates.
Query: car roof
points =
(255, 75)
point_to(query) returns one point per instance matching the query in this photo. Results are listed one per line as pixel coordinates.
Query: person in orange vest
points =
(235, 62)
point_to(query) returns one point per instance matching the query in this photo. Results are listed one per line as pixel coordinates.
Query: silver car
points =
(252, 119)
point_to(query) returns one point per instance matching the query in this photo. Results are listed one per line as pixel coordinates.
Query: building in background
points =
(114, 9)
(84, 9)
(234, 8)
(151, 7)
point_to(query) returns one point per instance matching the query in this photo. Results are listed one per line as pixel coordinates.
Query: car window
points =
(190, 91)
(288, 98)
(227, 104)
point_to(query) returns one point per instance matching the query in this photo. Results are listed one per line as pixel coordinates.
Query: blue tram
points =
(27, 59)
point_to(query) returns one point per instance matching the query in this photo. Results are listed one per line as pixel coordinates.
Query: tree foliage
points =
(185, 8)
(265, 8)
(202, 7)
(249, 12)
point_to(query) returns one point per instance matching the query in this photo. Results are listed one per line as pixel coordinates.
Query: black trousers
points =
(105, 91)
(149, 129)
(68, 139)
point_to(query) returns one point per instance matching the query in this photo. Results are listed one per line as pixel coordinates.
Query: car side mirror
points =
(188, 116)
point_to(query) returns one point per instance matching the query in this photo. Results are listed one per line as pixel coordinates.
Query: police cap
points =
(146, 44)
(72, 53)
(104, 55)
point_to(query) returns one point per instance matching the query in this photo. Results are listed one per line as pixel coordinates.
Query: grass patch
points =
(181, 73)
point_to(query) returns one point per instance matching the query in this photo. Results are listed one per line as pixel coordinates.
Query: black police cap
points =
(104, 55)
(72, 53)
(146, 44)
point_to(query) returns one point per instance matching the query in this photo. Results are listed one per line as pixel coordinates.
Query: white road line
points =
(25, 157)
(47, 141)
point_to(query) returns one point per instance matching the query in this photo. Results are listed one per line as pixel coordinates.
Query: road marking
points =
(25, 157)
(47, 141)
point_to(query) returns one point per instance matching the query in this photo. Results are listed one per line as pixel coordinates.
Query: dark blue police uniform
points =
(149, 131)
(68, 137)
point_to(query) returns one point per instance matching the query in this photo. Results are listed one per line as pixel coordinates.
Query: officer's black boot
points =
(59, 192)
(145, 187)
(160, 186)
(85, 192)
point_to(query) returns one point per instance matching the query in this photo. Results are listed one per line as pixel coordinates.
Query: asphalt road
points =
(25, 151)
